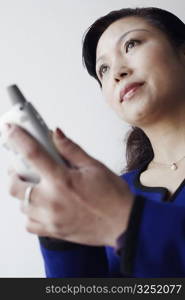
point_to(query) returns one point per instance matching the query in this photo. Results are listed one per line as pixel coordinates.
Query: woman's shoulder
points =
(130, 175)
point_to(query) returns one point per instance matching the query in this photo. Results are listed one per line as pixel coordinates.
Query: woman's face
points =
(132, 51)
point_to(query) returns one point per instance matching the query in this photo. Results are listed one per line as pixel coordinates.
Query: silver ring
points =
(27, 195)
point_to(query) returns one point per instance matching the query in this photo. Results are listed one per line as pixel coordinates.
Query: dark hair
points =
(138, 146)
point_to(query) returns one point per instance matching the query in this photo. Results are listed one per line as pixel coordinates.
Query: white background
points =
(40, 50)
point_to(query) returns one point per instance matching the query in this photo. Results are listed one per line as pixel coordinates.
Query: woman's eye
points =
(103, 70)
(130, 44)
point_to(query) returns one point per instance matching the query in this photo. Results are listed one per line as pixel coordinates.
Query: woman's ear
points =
(182, 53)
(183, 48)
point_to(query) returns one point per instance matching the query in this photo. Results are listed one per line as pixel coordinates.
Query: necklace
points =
(173, 166)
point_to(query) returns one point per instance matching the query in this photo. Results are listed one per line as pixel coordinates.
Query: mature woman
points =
(91, 222)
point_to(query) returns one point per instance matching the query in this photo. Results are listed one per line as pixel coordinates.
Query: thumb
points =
(70, 150)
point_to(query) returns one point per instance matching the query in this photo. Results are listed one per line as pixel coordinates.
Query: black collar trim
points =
(157, 189)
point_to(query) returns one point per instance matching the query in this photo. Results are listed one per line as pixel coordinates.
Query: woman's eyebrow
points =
(125, 34)
(121, 39)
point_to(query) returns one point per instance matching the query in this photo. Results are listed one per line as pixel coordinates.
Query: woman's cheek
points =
(108, 96)
(108, 91)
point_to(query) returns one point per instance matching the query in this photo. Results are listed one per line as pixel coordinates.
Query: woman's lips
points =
(131, 92)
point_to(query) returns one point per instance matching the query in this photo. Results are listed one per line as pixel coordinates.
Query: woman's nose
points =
(121, 73)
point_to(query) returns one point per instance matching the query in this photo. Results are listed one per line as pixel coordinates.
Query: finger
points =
(70, 150)
(18, 187)
(35, 212)
(33, 151)
(36, 228)
(12, 171)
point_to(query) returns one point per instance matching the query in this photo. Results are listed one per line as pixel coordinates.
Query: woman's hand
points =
(86, 204)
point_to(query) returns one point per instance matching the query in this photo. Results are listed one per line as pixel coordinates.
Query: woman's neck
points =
(167, 138)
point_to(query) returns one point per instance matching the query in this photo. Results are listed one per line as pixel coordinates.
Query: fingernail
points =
(59, 133)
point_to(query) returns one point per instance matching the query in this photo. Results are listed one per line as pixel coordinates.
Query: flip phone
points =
(24, 114)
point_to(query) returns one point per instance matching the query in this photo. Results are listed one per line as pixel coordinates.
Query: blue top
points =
(152, 246)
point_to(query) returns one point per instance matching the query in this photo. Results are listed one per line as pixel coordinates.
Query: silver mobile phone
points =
(24, 114)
